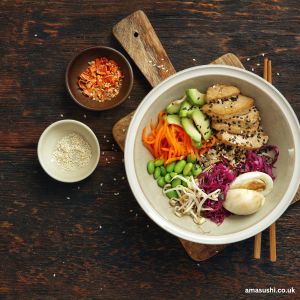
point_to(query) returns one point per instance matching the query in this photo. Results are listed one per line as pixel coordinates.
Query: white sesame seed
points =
(115, 179)
(131, 210)
(150, 61)
(277, 74)
(154, 65)
(167, 70)
(102, 152)
(101, 184)
(123, 232)
(258, 65)
(78, 188)
(35, 35)
(162, 59)
(100, 227)
(252, 69)
(136, 215)
(262, 54)
(129, 97)
(117, 194)
(194, 59)
(147, 225)
(62, 115)
(123, 129)
(54, 275)
(104, 136)
(123, 177)
(248, 58)
(68, 198)
(107, 140)
(84, 116)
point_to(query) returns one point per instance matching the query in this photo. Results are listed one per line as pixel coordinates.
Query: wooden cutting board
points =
(137, 36)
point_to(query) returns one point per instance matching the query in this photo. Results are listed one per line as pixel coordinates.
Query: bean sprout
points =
(190, 199)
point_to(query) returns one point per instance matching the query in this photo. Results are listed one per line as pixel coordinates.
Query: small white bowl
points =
(47, 144)
(280, 123)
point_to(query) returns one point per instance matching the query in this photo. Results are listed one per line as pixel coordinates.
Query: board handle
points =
(137, 36)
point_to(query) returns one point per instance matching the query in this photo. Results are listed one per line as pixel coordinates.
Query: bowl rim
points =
(132, 135)
(42, 140)
(74, 58)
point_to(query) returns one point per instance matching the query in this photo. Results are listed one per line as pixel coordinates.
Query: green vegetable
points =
(161, 181)
(156, 172)
(158, 162)
(184, 183)
(196, 170)
(163, 171)
(168, 178)
(173, 119)
(179, 166)
(175, 182)
(184, 108)
(174, 107)
(191, 158)
(202, 123)
(187, 169)
(170, 167)
(173, 174)
(150, 167)
(172, 194)
(189, 114)
(196, 144)
(191, 130)
(195, 97)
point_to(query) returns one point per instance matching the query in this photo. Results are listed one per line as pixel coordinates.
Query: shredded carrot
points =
(171, 142)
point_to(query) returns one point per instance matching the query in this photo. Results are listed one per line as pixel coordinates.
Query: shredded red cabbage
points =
(257, 161)
(220, 177)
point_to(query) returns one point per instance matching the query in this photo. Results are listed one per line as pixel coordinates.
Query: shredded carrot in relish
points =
(102, 79)
(171, 142)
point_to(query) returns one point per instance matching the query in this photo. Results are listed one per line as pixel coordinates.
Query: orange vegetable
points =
(170, 142)
(102, 79)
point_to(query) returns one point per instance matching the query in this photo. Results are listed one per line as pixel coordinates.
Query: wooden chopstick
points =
(272, 228)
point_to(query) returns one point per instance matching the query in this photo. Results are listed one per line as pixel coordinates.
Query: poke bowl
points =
(277, 119)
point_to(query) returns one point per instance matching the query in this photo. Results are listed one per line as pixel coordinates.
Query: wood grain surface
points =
(91, 240)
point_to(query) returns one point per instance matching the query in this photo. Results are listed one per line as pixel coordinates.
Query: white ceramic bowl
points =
(47, 145)
(279, 121)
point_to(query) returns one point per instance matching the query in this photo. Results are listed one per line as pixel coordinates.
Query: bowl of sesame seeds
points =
(68, 151)
(99, 78)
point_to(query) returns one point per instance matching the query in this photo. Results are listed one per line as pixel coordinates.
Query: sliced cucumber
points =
(174, 106)
(195, 97)
(202, 123)
(173, 119)
(184, 108)
(189, 114)
(191, 130)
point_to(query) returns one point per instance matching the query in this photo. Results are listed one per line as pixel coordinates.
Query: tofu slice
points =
(229, 108)
(249, 143)
(235, 128)
(221, 91)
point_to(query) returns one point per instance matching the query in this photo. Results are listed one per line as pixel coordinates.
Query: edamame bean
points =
(168, 178)
(158, 162)
(161, 181)
(175, 182)
(191, 158)
(196, 170)
(150, 167)
(156, 172)
(163, 171)
(179, 166)
(173, 174)
(170, 167)
(184, 183)
(188, 167)
(172, 194)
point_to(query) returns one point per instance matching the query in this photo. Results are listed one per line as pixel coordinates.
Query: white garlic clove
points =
(257, 181)
(243, 202)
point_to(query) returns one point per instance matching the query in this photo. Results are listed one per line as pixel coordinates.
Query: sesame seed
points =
(68, 198)
(262, 54)
(194, 59)
(101, 184)
(35, 35)
(277, 74)
(252, 69)
(248, 58)
(84, 116)
(62, 115)
(258, 65)
(116, 194)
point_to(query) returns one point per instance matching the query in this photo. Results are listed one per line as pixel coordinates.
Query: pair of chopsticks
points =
(272, 228)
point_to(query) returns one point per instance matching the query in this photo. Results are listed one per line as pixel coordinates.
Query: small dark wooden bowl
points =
(80, 62)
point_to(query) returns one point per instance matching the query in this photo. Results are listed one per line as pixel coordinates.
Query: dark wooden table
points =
(91, 239)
